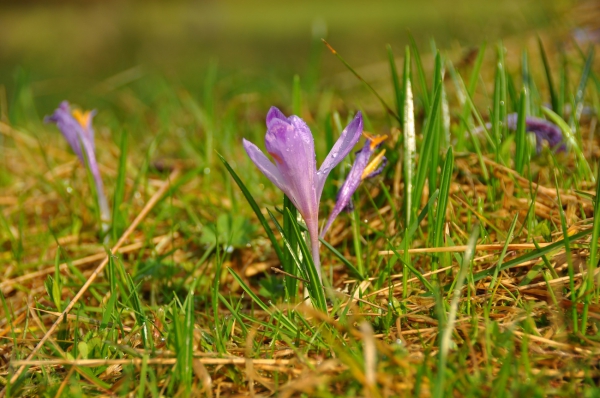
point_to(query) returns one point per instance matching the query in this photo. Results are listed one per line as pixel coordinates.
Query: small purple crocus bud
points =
(289, 141)
(76, 127)
(543, 130)
(361, 169)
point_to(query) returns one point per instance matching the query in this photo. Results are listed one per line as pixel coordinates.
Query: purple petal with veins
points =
(354, 178)
(340, 150)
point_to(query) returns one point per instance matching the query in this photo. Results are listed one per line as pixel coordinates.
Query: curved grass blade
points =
(286, 242)
(572, 141)
(353, 270)
(285, 321)
(256, 209)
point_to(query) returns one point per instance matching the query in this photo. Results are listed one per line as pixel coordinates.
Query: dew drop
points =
(207, 170)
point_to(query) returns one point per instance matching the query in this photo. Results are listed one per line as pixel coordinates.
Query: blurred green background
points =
(65, 49)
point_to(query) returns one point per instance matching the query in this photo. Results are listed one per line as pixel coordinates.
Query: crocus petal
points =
(84, 118)
(77, 129)
(291, 144)
(344, 196)
(274, 114)
(265, 165)
(543, 130)
(68, 126)
(340, 150)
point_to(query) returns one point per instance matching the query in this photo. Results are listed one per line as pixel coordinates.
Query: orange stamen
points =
(375, 139)
(83, 118)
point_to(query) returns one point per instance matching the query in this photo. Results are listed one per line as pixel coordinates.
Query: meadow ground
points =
(467, 267)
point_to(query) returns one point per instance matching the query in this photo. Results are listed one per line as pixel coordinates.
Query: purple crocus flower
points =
(290, 143)
(76, 127)
(361, 169)
(543, 130)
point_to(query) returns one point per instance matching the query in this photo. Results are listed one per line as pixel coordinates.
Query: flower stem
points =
(313, 232)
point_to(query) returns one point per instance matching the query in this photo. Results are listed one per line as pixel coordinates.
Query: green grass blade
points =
(521, 135)
(356, 235)
(295, 260)
(315, 287)
(426, 149)
(119, 216)
(547, 70)
(572, 141)
(256, 209)
(440, 217)
(446, 333)
(398, 92)
(289, 251)
(438, 129)
(353, 270)
(234, 313)
(285, 321)
(420, 71)
(591, 288)
(415, 271)
(466, 106)
(567, 242)
(589, 61)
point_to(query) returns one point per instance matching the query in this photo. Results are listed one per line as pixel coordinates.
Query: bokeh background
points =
(69, 49)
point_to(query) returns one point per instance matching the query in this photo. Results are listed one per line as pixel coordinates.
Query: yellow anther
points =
(375, 139)
(373, 164)
(83, 118)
